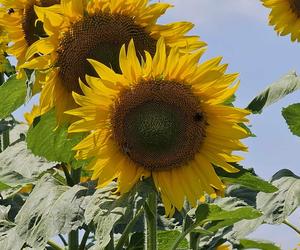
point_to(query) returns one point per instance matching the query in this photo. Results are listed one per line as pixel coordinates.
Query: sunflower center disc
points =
(31, 29)
(295, 6)
(99, 37)
(158, 124)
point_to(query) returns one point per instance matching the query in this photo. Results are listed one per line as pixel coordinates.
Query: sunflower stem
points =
(128, 229)
(73, 237)
(5, 137)
(151, 221)
(291, 226)
(53, 245)
(1, 78)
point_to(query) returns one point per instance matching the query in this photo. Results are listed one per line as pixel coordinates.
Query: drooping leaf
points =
(48, 140)
(211, 217)
(8, 68)
(17, 158)
(246, 178)
(276, 207)
(137, 241)
(279, 205)
(276, 91)
(165, 240)
(108, 210)
(254, 244)
(291, 115)
(49, 210)
(12, 95)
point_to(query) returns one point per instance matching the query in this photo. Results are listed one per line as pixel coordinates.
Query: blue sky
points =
(238, 31)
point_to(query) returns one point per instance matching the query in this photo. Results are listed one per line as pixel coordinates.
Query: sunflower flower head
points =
(285, 17)
(163, 117)
(97, 30)
(19, 19)
(3, 48)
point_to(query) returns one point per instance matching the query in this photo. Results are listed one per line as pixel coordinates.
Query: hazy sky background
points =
(238, 31)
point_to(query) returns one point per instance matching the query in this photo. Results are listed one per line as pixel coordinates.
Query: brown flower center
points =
(158, 124)
(99, 37)
(295, 6)
(33, 31)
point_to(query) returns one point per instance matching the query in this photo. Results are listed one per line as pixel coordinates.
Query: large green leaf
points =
(51, 209)
(276, 207)
(211, 217)
(47, 139)
(105, 209)
(254, 244)
(12, 95)
(279, 205)
(246, 178)
(292, 116)
(276, 91)
(165, 240)
(108, 210)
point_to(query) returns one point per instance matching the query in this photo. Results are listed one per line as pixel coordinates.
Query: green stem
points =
(151, 221)
(291, 226)
(1, 78)
(5, 139)
(182, 236)
(194, 240)
(54, 245)
(84, 239)
(63, 240)
(128, 229)
(110, 245)
(73, 238)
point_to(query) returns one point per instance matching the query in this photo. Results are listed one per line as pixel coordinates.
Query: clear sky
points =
(238, 31)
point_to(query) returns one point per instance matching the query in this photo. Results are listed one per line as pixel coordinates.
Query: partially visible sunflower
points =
(285, 17)
(19, 19)
(3, 48)
(164, 118)
(97, 30)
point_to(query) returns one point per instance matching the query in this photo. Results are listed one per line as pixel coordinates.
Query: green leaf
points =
(211, 217)
(49, 210)
(108, 210)
(253, 244)
(165, 240)
(137, 241)
(246, 178)
(291, 115)
(279, 205)
(8, 68)
(47, 140)
(12, 95)
(276, 91)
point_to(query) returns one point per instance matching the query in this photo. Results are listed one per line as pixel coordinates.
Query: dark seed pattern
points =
(98, 37)
(159, 124)
(29, 20)
(295, 6)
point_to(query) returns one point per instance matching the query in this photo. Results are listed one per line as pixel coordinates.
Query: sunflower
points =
(19, 19)
(285, 17)
(163, 117)
(97, 30)
(3, 48)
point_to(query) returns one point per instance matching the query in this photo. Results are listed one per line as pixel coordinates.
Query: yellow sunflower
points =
(163, 117)
(285, 17)
(96, 30)
(19, 19)
(3, 48)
